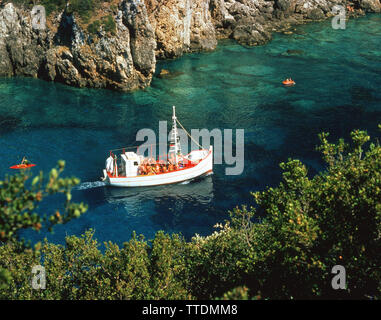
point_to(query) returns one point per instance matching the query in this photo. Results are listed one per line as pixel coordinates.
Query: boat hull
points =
(204, 167)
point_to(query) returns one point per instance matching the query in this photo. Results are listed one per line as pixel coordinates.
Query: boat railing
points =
(162, 157)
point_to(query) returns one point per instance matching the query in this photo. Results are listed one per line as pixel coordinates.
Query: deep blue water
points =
(338, 75)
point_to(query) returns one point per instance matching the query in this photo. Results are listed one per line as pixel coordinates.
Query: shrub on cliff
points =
(53, 5)
(83, 8)
(94, 27)
(108, 24)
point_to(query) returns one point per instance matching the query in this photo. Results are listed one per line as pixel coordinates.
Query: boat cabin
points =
(130, 163)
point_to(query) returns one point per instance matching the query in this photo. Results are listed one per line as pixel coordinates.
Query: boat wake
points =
(90, 185)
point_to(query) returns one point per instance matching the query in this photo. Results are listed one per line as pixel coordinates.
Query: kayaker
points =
(25, 161)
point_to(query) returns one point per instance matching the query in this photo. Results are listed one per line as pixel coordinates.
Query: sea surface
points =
(338, 80)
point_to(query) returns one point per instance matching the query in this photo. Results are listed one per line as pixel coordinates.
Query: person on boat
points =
(151, 169)
(25, 161)
(157, 168)
(172, 159)
(142, 170)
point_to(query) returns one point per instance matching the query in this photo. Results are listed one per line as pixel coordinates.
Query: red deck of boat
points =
(186, 166)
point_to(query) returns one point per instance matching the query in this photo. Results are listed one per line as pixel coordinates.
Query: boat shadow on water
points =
(198, 191)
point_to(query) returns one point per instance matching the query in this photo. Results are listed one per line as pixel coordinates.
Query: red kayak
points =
(22, 166)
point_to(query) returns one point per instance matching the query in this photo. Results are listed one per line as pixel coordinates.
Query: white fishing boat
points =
(129, 169)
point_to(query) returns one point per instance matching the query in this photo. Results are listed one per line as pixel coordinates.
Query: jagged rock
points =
(125, 61)
(316, 14)
(181, 26)
(250, 33)
(142, 37)
(284, 8)
(371, 5)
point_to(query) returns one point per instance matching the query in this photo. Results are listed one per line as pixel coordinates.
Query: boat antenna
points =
(175, 145)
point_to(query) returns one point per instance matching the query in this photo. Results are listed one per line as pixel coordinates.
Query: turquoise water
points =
(338, 75)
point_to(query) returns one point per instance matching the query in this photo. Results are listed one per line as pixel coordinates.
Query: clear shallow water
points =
(338, 75)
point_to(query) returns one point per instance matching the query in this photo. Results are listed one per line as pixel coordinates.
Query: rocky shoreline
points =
(145, 31)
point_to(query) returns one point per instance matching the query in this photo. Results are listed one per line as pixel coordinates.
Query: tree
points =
(19, 200)
(303, 228)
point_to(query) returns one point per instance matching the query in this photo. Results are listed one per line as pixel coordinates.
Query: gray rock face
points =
(145, 30)
(181, 26)
(21, 47)
(70, 55)
(371, 5)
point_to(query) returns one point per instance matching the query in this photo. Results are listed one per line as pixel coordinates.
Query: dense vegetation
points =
(107, 23)
(302, 228)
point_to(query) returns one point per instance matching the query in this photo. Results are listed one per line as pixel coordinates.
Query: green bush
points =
(53, 5)
(109, 24)
(94, 27)
(309, 226)
(84, 8)
(19, 199)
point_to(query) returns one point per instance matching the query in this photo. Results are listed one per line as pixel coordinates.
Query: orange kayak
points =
(288, 82)
(22, 166)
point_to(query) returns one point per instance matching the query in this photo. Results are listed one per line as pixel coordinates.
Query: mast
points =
(175, 147)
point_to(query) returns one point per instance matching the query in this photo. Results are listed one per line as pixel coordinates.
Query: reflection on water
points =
(198, 192)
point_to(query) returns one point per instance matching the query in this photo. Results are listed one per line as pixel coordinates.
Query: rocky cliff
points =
(125, 59)
(67, 53)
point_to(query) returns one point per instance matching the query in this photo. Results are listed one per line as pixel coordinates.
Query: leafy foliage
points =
(108, 24)
(84, 8)
(310, 225)
(18, 201)
(94, 27)
(53, 5)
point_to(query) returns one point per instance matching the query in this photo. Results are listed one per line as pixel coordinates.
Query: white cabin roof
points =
(131, 156)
